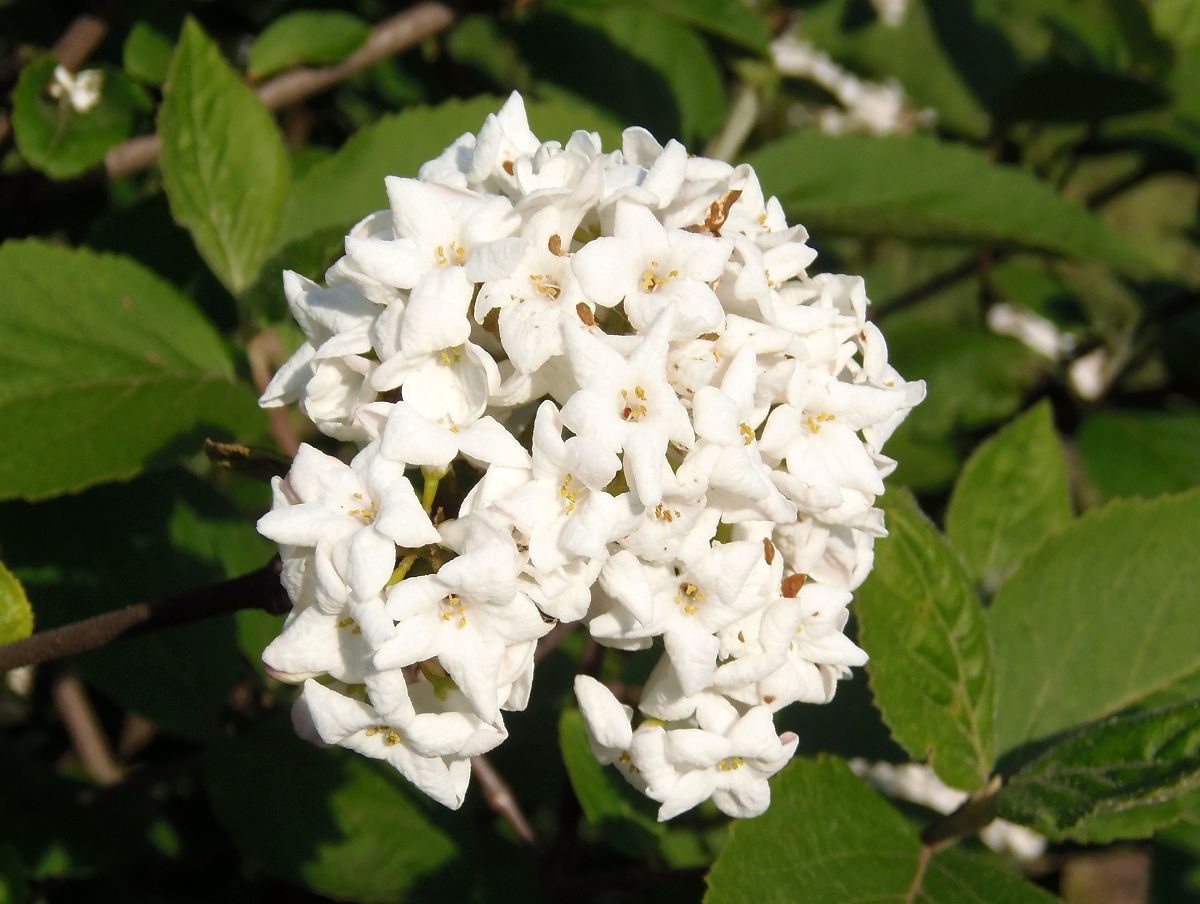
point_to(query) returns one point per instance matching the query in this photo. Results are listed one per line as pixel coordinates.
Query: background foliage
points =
(1031, 616)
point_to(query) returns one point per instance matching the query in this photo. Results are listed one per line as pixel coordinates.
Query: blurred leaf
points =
(646, 68)
(349, 185)
(1124, 777)
(476, 41)
(306, 36)
(622, 817)
(16, 615)
(329, 820)
(913, 53)
(1141, 453)
(1012, 494)
(1099, 617)
(930, 666)
(1057, 92)
(223, 163)
(61, 142)
(929, 190)
(829, 839)
(729, 19)
(14, 888)
(146, 54)
(107, 370)
(1177, 20)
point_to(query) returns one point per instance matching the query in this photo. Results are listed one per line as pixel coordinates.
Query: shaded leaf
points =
(14, 888)
(16, 615)
(625, 819)
(56, 139)
(930, 667)
(106, 370)
(1124, 777)
(729, 19)
(928, 190)
(1140, 453)
(1011, 495)
(329, 820)
(829, 839)
(1059, 93)
(1098, 618)
(224, 167)
(146, 53)
(306, 36)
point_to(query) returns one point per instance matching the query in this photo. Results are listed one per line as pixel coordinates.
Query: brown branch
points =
(257, 590)
(388, 38)
(83, 726)
(263, 352)
(500, 798)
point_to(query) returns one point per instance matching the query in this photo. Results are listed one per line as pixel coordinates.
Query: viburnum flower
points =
(582, 386)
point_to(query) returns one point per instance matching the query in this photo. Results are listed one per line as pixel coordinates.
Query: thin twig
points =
(260, 352)
(500, 798)
(388, 38)
(87, 736)
(257, 590)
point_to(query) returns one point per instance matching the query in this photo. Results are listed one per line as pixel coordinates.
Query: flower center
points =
(747, 434)
(453, 254)
(731, 763)
(365, 513)
(391, 737)
(451, 356)
(453, 608)
(569, 491)
(814, 424)
(634, 409)
(652, 279)
(689, 596)
(544, 285)
(349, 623)
(662, 513)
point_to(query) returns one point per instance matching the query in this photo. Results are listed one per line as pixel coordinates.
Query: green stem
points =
(433, 477)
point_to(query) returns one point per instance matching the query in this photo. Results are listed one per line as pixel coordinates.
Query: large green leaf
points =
(1098, 618)
(645, 67)
(105, 370)
(332, 821)
(223, 162)
(729, 19)
(62, 142)
(1012, 494)
(16, 615)
(1141, 453)
(622, 817)
(1124, 777)
(930, 667)
(924, 189)
(306, 36)
(344, 188)
(829, 839)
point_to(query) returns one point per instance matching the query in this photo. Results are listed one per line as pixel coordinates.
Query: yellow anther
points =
(639, 392)
(747, 434)
(451, 356)
(543, 286)
(730, 763)
(662, 513)
(651, 279)
(452, 254)
(454, 608)
(569, 493)
(392, 738)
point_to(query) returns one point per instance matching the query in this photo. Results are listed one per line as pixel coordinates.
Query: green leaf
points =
(927, 190)
(729, 19)
(622, 817)
(342, 189)
(330, 820)
(1140, 453)
(643, 66)
(1061, 93)
(146, 54)
(14, 888)
(1177, 20)
(1099, 617)
(223, 162)
(829, 839)
(930, 666)
(1124, 777)
(306, 36)
(1012, 494)
(16, 615)
(61, 142)
(106, 370)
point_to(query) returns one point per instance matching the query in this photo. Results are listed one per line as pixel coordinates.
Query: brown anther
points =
(555, 245)
(718, 213)
(769, 699)
(789, 588)
(709, 337)
(585, 313)
(768, 550)
(508, 166)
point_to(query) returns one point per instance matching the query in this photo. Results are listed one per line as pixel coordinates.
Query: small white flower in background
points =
(891, 12)
(79, 91)
(642, 414)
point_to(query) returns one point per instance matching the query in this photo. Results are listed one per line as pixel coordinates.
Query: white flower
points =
(606, 719)
(80, 92)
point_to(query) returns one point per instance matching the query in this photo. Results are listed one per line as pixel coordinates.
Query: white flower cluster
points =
(80, 92)
(640, 413)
